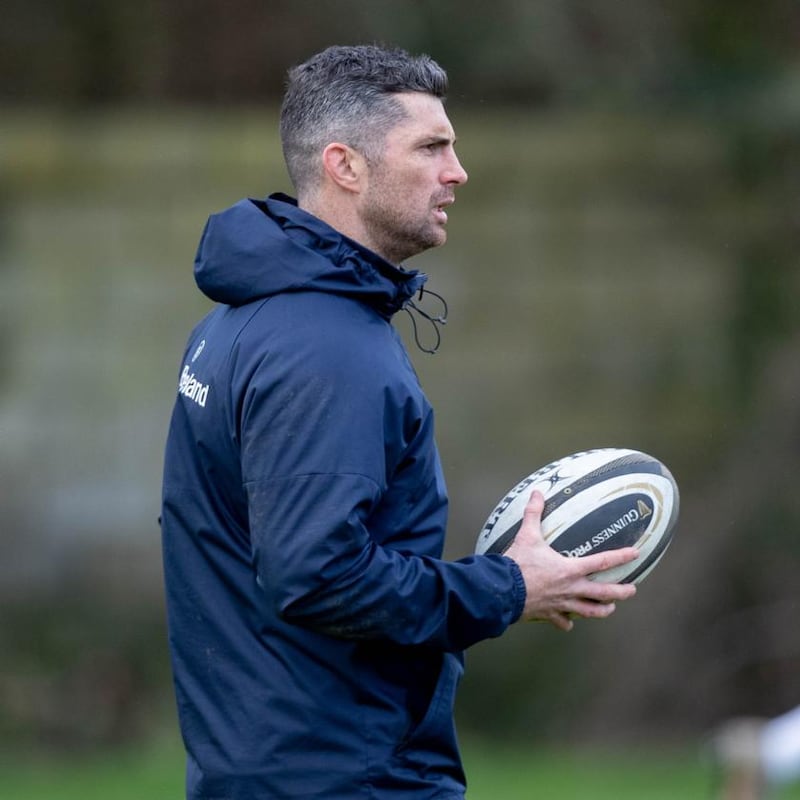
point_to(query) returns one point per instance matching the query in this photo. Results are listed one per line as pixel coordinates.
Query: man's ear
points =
(344, 166)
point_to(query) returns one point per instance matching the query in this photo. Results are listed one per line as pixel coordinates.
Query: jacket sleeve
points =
(320, 441)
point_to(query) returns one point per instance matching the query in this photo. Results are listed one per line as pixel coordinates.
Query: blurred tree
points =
(734, 45)
(210, 51)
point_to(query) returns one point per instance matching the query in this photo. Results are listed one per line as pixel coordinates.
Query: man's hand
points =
(558, 587)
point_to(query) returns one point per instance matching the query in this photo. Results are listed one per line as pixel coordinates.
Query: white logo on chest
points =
(190, 387)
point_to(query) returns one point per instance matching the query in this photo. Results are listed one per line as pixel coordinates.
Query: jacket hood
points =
(258, 248)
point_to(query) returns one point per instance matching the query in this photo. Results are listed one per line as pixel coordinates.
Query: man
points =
(316, 632)
(756, 756)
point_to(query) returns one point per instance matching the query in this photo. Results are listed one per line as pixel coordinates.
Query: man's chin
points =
(432, 238)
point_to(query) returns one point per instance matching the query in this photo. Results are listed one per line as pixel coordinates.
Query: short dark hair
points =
(345, 93)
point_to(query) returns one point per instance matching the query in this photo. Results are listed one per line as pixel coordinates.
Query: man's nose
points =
(455, 173)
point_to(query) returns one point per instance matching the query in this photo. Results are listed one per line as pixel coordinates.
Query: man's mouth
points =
(439, 210)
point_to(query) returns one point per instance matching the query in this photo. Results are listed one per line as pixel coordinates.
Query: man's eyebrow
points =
(437, 139)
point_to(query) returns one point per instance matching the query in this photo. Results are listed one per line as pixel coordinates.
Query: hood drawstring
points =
(435, 321)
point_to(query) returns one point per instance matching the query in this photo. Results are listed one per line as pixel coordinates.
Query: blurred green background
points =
(622, 270)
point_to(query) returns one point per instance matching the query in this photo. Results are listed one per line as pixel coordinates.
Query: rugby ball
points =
(595, 500)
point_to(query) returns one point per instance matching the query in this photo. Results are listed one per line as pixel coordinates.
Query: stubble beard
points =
(396, 233)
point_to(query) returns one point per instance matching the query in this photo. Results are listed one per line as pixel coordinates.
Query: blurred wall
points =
(622, 270)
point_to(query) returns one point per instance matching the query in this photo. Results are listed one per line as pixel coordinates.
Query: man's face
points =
(403, 208)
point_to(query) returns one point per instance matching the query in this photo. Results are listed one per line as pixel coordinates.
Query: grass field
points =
(155, 772)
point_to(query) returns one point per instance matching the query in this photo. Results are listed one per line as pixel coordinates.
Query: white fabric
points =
(780, 748)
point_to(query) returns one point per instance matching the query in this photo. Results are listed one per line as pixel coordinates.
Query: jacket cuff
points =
(519, 591)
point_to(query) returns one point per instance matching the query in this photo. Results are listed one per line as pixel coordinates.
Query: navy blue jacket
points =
(315, 632)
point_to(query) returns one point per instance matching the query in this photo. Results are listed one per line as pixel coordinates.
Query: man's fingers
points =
(592, 610)
(534, 506)
(607, 559)
(561, 621)
(560, 588)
